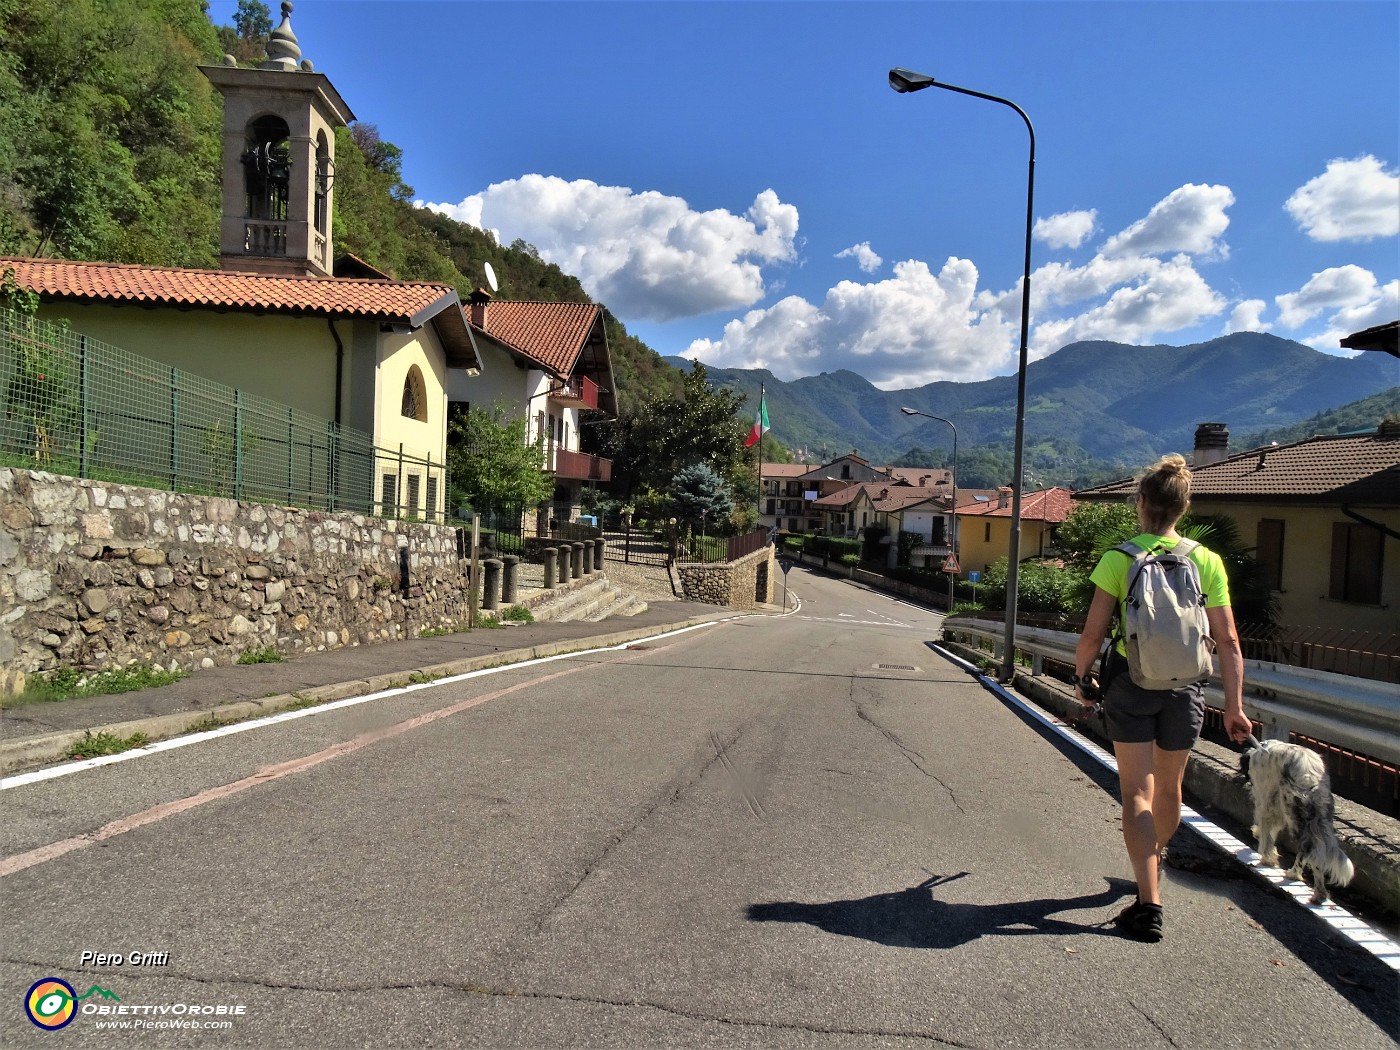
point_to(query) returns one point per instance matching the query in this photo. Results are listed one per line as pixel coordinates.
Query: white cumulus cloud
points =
(1247, 316)
(1353, 200)
(908, 330)
(1338, 287)
(1190, 219)
(918, 326)
(649, 256)
(1170, 297)
(1068, 229)
(865, 256)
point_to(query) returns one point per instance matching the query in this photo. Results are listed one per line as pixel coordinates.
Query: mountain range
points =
(1111, 403)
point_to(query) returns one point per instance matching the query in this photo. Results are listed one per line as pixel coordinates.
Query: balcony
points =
(580, 466)
(261, 237)
(577, 392)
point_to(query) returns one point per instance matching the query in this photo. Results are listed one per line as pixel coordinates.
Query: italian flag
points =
(760, 424)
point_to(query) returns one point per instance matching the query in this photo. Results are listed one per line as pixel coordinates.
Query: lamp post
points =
(905, 81)
(953, 516)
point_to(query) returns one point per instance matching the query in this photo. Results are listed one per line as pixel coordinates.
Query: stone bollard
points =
(490, 583)
(577, 563)
(508, 578)
(565, 553)
(551, 558)
(598, 553)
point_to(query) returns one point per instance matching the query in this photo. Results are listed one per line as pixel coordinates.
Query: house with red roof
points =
(1322, 515)
(984, 526)
(549, 363)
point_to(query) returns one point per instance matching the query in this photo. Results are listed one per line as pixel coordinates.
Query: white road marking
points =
(34, 777)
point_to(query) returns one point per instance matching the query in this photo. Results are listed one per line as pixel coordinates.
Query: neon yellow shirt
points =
(1111, 574)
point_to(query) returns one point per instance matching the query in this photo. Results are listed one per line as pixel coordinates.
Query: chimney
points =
(480, 300)
(1212, 444)
(1003, 497)
(1389, 429)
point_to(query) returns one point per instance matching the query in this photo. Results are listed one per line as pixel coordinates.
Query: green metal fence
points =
(74, 405)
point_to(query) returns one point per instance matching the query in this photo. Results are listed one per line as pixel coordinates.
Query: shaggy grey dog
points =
(1292, 791)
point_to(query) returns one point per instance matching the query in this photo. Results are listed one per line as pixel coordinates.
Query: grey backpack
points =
(1166, 632)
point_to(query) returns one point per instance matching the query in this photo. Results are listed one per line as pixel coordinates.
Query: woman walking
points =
(1153, 730)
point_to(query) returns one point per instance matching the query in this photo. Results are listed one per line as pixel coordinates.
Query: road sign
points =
(950, 564)
(974, 577)
(785, 563)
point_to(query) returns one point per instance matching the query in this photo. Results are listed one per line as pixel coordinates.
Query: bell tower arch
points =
(280, 120)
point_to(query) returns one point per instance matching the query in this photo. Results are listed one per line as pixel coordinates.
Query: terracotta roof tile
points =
(1052, 505)
(551, 334)
(928, 476)
(229, 290)
(1350, 468)
(785, 470)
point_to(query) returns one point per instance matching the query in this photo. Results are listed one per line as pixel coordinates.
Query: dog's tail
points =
(1325, 856)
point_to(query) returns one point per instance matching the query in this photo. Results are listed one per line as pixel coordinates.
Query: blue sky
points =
(738, 183)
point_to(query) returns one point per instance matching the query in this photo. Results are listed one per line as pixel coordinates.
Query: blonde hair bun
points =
(1165, 489)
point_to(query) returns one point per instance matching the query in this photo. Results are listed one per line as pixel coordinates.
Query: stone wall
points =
(96, 575)
(741, 584)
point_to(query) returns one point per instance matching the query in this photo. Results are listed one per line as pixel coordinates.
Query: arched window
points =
(415, 396)
(267, 169)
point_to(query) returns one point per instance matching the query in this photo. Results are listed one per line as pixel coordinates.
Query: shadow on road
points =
(915, 918)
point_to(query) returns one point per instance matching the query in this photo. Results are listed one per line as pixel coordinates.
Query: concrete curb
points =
(50, 748)
(1371, 839)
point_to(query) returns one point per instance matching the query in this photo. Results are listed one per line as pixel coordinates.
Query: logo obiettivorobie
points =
(52, 1003)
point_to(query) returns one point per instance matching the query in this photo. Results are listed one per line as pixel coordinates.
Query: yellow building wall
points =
(423, 443)
(290, 360)
(976, 553)
(1307, 563)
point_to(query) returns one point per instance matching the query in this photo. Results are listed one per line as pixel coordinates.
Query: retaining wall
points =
(741, 584)
(97, 575)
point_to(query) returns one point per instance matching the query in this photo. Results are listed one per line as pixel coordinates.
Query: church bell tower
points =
(280, 120)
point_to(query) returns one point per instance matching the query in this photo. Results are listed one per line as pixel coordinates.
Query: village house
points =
(984, 526)
(1319, 513)
(549, 363)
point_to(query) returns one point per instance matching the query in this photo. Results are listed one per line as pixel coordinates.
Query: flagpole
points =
(758, 458)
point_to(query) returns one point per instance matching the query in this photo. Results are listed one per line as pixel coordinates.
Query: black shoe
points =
(1142, 922)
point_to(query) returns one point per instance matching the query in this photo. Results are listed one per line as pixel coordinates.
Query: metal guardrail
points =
(1333, 708)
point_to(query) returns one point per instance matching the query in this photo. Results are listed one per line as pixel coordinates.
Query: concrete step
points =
(621, 604)
(566, 604)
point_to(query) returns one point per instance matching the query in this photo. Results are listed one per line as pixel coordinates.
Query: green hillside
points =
(1094, 410)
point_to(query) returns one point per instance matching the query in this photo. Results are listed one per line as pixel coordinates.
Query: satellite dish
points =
(491, 276)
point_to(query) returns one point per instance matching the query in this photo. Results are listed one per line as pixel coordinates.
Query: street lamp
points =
(905, 81)
(953, 517)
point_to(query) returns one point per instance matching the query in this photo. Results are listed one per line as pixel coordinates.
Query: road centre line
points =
(42, 854)
(1353, 927)
(38, 775)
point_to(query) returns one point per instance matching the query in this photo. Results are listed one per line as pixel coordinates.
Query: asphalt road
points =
(800, 831)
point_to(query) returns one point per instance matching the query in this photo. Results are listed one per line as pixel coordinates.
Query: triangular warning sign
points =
(950, 564)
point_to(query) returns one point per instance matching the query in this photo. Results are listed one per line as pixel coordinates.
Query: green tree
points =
(1042, 588)
(701, 496)
(110, 133)
(700, 425)
(246, 39)
(1093, 528)
(491, 463)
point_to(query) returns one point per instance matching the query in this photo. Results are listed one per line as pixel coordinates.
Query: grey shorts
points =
(1169, 717)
